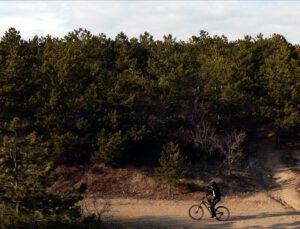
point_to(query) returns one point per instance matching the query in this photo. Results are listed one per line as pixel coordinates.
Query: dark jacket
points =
(214, 192)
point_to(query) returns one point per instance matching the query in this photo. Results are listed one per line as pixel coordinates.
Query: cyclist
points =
(213, 196)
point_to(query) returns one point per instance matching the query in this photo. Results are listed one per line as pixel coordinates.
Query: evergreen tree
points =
(172, 165)
(26, 175)
(280, 85)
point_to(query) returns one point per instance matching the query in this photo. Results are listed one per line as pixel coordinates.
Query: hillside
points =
(144, 183)
(281, 174)
(271, 169)
(264, 196)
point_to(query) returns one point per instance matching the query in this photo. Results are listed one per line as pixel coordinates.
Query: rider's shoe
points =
(212, 216)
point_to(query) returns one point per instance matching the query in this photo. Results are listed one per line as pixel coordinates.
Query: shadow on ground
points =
(185, 223)
(266, 215)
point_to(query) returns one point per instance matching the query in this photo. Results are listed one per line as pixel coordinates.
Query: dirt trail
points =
(281, 179)
(257, 211)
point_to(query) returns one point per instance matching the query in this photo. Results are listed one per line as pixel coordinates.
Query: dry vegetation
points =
(144, 183)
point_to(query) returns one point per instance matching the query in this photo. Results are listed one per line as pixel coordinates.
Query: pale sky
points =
(182, 19)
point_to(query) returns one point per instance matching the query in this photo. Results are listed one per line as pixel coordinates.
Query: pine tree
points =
(172, 165)
(26, 171)
(280, 82)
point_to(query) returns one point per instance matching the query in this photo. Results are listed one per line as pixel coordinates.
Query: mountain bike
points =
(196, 211)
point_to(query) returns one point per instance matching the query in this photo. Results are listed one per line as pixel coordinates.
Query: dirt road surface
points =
(255, 211)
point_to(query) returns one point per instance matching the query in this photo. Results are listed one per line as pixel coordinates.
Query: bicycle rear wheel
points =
(222, 213)
(196, 212)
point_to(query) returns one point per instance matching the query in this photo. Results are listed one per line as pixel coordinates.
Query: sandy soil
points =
(281, 180)
(276, 206)
(255, 211)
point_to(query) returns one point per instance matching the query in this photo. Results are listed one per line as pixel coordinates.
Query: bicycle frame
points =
(206, 204)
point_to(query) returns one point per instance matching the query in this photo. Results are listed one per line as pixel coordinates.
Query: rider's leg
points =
(215, 201)
(212, 208)
(213, 204)
(213, 212)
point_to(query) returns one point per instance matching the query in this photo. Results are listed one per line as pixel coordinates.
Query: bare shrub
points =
(205, 137)
(232, 149)
(203, 134)
(94, 209)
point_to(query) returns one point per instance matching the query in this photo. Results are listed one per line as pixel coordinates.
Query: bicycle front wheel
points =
(222, 213)
(196, 212)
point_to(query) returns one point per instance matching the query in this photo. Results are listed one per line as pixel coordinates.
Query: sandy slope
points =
(281, 180)
(256, 211)
(287, 190)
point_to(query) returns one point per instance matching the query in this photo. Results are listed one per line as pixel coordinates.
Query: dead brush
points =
(93, 211)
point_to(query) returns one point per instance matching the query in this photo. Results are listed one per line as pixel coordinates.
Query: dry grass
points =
(143, 183)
